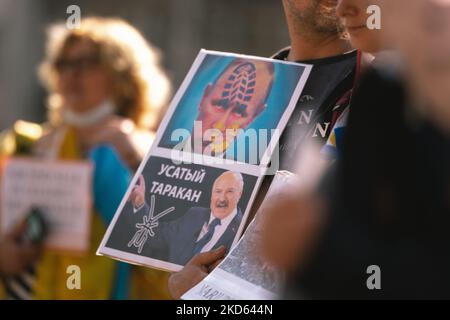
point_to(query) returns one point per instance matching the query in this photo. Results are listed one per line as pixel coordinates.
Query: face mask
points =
(89, 118)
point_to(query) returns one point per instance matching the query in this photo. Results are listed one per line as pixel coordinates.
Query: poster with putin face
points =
(233, 107)
(194, 190)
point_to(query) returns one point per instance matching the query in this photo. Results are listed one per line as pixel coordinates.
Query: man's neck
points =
(311, 48)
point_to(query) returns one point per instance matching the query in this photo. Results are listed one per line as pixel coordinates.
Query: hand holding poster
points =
(194, 189)
(59, 189)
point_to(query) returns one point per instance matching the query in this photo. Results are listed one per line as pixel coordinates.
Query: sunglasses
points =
(78, 64)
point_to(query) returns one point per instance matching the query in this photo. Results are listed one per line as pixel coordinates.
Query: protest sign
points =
(177, 203)
(194, 189)
(59, 189)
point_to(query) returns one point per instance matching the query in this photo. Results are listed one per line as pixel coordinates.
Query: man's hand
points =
(137, 195)
(16, 256)
(194, 271)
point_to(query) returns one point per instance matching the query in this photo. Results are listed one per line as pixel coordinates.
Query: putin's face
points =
(226, 192)
(236, 98)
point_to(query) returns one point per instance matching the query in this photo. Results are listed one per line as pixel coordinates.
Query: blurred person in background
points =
(107, 93)
(386, 203)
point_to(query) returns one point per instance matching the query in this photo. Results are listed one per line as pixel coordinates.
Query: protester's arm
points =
(194, 271)
(123, 136)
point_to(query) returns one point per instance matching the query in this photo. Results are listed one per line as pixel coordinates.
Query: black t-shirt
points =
(326, 95)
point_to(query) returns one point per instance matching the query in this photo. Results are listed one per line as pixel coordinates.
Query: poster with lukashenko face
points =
(173, 212)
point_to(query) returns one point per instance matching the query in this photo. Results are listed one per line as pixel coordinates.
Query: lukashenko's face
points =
(225, 196)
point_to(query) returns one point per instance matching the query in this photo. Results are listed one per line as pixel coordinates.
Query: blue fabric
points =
(110, 182)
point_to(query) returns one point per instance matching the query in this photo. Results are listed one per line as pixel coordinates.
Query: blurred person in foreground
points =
(106, 95)
(386, 203)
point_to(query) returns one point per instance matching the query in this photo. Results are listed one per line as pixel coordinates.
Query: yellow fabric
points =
(97, 273)
(149, 284)
(7, 143)
(20, 138)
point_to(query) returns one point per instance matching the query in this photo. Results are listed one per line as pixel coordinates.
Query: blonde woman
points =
(105, 81)
(106, 94)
